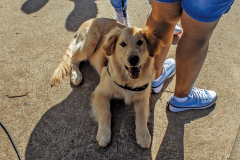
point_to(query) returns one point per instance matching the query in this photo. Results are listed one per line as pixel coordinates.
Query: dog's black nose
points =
(133, 60)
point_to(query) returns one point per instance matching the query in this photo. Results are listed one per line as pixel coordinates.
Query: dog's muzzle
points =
(133, 72)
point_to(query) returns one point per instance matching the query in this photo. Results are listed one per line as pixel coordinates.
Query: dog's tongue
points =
(134, 72)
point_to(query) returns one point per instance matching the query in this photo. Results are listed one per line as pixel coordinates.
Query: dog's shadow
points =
(83, 10)
(66, 131)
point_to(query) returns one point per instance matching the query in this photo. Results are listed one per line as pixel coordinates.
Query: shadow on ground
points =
(172, 146)
(82, 11)
(66, 131)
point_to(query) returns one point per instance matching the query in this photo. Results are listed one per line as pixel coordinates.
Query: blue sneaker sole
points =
(179, 109)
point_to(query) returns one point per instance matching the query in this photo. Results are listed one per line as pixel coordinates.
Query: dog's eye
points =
(123, 44)
(139, 42)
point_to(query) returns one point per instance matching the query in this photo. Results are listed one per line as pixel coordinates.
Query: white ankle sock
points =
(180, 99)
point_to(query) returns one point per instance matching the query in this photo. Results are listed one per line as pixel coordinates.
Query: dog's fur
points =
(99, 41)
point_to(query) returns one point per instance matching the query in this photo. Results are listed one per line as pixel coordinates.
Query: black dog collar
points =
(129, 88)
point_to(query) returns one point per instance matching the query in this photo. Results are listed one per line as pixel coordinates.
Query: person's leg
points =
(190, 55)
(191, 52)
(198, 21)
(117, 5)
(162, 21)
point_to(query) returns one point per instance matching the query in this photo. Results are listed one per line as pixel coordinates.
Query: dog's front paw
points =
(103, 137)
(143, 138)
(76, 78)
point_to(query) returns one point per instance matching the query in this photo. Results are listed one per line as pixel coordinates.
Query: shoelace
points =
(166, 67)
(198, 94)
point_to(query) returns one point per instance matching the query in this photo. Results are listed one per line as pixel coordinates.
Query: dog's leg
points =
(84, 48)
(76, 75)
(101, 111)
(143, 137)
(79, 54)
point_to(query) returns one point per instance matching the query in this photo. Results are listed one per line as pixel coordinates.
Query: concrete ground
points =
(55, 123)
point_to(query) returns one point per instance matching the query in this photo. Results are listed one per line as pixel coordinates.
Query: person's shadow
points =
(172, 146)
(84, 10)
(68, 132)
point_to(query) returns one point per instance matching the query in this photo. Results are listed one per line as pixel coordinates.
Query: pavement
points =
(55, 123)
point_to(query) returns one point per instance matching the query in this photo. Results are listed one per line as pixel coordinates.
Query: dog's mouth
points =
(133, 72)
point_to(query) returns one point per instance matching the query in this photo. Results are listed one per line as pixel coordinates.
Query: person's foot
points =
(168, 71)
(120, 18)
(197, 99)
(177, 30)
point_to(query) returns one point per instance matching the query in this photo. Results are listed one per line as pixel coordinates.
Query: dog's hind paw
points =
(103, 137)
(143, 139)
(76, 79)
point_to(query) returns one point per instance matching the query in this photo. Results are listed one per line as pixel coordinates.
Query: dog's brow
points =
(123, 39)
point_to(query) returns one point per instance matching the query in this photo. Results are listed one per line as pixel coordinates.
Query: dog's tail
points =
(64, 67)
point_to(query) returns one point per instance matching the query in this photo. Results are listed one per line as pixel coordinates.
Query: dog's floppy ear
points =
(110, 41)
(153, 43)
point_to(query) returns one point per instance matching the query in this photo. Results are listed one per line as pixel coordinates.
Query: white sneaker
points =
(120, 18)
(177, 30)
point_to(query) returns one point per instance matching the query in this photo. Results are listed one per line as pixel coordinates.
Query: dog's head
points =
(133, 46)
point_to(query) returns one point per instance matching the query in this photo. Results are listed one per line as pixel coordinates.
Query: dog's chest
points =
(130, 96)
(128, 100)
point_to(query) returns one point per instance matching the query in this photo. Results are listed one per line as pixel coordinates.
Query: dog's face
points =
(133, 46)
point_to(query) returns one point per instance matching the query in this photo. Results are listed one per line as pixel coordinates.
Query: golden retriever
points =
(124, 59)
